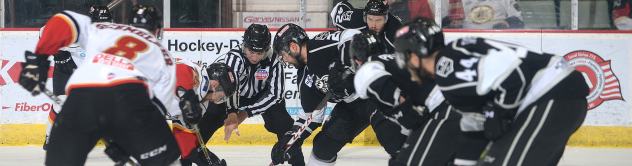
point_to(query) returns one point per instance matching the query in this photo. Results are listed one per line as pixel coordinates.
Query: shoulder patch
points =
(444, 67)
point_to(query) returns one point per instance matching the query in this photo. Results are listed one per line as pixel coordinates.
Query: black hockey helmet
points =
(421, 36)
(376, 7)
(285, 35)
(226, 78)
(100, 13)
(366, 44)
(257, 38)
(146, 16)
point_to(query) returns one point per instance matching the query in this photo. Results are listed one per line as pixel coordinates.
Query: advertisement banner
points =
(274, 20)
(602, 58)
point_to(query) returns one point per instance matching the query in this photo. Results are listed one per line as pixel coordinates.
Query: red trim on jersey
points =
(59, 32)
(52, 116)
(185, 76)
(109, 84)
(187, 140)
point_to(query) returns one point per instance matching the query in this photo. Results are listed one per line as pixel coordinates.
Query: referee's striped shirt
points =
(263, 80)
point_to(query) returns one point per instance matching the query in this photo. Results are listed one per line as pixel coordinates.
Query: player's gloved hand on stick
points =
(34, 72)
(117, 154)
(337, 83)
(190, 106)
(408, 114)
(497, 121)
(279, 155)
(64, 62)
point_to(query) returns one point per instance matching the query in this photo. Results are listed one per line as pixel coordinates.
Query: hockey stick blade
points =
(319, 109)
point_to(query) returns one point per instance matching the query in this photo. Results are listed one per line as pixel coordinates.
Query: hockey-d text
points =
(174, 45)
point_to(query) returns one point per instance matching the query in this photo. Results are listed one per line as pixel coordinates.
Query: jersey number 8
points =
(128, 47)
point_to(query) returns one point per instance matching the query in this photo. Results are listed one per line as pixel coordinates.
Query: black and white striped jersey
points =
(472, 71)
(262, 82)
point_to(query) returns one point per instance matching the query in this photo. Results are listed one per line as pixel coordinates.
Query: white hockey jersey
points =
(483, 14)
(139, 57)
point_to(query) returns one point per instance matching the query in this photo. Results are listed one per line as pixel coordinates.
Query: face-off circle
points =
(602, 82)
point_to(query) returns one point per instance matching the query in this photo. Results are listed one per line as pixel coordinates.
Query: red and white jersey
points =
(191, 76)
(139, 57)
(483, 14)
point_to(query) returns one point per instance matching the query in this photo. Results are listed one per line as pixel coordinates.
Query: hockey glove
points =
(64, 62)
(190, 106)
(34, 72)
(197, 157)
(497, 121)
(409, 115)
(117, 154)
(337, 84)
(279, 155)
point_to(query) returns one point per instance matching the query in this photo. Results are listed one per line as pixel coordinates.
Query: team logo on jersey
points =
(111, 76)
(261, 74)
(601, 80)
(309, 80)
(321, 83)
(481, 14)
(445, 66)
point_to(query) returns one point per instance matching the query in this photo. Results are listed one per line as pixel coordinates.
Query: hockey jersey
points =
(76, 52)
(471, 71)
(322, 51)
(190, 76)
(264, 82)
(115, 54)
(375, 81)
(621, 14)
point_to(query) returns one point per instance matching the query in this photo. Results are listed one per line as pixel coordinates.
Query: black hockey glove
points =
(190, 106)
(197, 156)
(497, 121)
(408, 114)
(34, 72)
(117, 154)
(337, 84)
(279, 155)
(64, 62)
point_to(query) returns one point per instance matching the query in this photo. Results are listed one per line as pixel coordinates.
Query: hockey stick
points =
(57, 101)
(317, 112)
(197, 132)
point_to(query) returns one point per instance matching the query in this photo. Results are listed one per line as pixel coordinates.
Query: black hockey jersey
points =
(378, 81)
(322, 51)
(472, 71)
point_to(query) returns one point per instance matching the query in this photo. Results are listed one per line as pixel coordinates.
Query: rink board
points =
(601, 55)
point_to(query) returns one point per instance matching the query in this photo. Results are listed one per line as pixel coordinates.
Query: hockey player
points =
(349, 117)
(261, 85)
(118, 94)
(66, 62)
(511, 97)
(435, 128)
(375, 17)
(200, 86)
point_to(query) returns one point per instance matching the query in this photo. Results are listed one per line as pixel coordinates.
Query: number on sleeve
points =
(128, 47)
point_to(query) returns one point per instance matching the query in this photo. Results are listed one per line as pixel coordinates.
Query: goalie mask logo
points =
(600, 78)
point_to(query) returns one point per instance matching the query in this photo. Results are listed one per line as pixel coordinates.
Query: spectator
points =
(621, 15)
(485, 14)
(421, 8)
